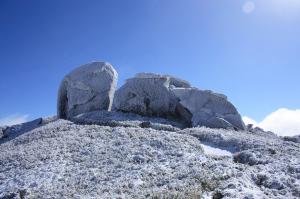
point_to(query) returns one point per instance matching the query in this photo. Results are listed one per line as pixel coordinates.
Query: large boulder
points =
(208, 108)
(90, 87)
(149, 94)
(167, 96)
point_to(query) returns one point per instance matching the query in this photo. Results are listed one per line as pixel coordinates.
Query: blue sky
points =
(248, 50)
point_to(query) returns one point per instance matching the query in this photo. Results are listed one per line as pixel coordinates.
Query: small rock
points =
(246, 157)
(145, 124)
(217, 195)
(295, 138)
(138, 159)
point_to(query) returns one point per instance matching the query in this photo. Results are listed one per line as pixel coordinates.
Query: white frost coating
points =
(146, 96)
(163, 95)
(208, 108)
(209, 150)
(61, 159)
(174, 81)
(88, 88)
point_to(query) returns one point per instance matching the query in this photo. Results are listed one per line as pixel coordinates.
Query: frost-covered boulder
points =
(208, 108)
(163, 95)
(90, 87)
(145, 96)
(149, 94)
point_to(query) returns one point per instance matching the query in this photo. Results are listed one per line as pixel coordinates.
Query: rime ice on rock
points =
(88, 88)
(209, 109)
(173, 81)
(163, 95)
(149, 94)
(146, 96)
(91, 87)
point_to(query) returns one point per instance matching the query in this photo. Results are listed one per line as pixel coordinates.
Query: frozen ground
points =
(215, 151)
(118, 155)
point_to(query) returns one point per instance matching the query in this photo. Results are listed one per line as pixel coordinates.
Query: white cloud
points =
(248, 7)
(13, 119)
(283, 122)
(248, 120)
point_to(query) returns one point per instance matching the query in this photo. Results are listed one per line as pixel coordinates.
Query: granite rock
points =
(89, 87)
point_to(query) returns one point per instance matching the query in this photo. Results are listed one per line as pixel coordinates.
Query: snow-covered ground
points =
(118, 155)
(213, 150)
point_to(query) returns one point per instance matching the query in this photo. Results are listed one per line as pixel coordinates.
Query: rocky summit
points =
(154, 137)
(91, 87)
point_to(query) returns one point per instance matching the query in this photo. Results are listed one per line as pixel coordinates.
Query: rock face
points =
(162, 95)
(173, 81)
(146, 94)
(91, 87)
(150, 94)
(209, 109)
(88, 88)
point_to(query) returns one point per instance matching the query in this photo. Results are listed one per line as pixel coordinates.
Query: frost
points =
(118, 155)
(210, 150)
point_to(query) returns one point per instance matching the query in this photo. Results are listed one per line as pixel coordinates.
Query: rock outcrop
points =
(163, 95)
(91, 87)
(208, 108)
(88, 88)
(146, 95)
(150, 94)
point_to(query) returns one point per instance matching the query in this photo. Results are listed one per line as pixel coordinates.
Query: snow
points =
(210, 150)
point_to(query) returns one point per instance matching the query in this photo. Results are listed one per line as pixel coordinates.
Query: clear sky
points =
(248, 50)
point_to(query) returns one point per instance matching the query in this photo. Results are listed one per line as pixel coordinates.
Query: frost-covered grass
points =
(215, 151)
(62, 159)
